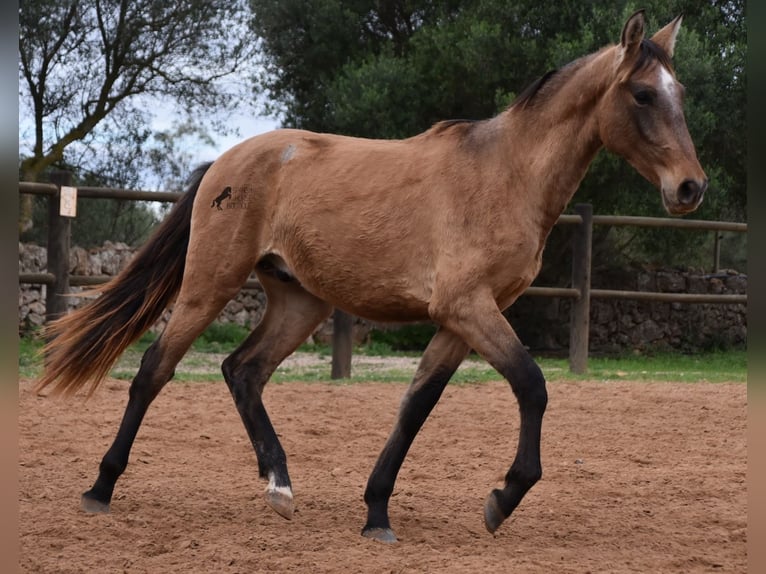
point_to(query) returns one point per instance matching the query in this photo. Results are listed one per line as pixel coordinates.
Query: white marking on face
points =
(272, 487)
(667, 82)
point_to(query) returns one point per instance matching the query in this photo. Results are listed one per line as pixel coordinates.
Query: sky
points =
(247, 122)
(248, 125)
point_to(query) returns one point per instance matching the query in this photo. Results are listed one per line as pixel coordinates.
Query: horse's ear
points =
(666, 38)
(633, 32)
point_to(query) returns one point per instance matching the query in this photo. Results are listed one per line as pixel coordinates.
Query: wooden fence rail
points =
(59, 281)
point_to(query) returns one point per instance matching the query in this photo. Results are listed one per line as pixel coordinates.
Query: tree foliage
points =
(92, 71)
(392, 69)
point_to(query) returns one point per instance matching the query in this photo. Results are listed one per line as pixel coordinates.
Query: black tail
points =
(85, 344)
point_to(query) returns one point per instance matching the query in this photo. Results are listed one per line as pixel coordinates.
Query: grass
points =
(713, 367)
(312, 364)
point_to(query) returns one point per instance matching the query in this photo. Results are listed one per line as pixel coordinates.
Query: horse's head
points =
(641, 116)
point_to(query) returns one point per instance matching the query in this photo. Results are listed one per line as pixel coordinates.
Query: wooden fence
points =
(59, 281)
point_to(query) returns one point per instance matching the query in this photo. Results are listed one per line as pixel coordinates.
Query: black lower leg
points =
(416, 406)
(528, 385)
(142, 392)
(246, 383)
(272, 460)
(115, 460)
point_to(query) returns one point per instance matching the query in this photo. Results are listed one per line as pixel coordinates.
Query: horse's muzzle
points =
(690, 192)
(685, 198)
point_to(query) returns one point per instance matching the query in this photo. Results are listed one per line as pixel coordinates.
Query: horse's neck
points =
(555, 140)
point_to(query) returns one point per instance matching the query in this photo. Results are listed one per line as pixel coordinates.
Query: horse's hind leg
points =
(441, 358)
(191, 314)
(145, 386)
(291, 315)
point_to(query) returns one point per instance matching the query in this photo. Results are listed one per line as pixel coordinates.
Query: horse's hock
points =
(542, 322)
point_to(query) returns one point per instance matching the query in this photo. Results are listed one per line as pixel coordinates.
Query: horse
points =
(447, 226)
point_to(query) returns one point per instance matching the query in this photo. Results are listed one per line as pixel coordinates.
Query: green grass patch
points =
(712, 367)
(29, 359)
(312, 364)
(221, 338)
(408, 337)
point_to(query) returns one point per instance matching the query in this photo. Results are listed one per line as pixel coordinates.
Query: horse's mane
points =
(545, 86)
(649, 52)
(528, 93)
(444, 125)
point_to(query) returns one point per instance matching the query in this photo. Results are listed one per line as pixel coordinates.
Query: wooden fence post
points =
(342, 343)
(59, 232)
(717, 252)
(579, 327)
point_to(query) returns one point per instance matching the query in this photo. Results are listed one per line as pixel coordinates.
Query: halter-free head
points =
(641, 117)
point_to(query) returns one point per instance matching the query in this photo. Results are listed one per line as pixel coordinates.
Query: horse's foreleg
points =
(291, 315)
(484, 328)
(442, 357)
(528, 385)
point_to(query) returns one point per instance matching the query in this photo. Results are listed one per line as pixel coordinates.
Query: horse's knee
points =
(535, 393)
(230, 368)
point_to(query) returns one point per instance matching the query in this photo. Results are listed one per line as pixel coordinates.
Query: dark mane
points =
(531, 90)
(446, 124)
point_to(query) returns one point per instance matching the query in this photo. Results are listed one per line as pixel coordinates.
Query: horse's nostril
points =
(690, 191)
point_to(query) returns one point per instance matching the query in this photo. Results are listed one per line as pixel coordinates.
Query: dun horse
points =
(447, 226)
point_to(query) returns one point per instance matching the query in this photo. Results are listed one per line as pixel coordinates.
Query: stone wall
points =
(246, 309)
(617, 325)
(542, 323)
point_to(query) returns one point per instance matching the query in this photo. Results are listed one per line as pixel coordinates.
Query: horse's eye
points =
(643, 97)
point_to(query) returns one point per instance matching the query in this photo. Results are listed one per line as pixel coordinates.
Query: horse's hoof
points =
(493, 516)
(281, 501)
(380, 534)
(93, 506)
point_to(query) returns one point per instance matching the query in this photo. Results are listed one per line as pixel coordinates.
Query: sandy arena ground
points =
(638, 477)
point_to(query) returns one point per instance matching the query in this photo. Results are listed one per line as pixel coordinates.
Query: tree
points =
(330, 62)
(91, 70)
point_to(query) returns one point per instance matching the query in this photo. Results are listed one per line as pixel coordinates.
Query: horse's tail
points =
(84, 345)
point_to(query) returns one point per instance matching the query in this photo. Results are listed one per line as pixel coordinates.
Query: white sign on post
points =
(68, 205)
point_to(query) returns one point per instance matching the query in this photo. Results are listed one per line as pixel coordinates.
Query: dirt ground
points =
(638, 477)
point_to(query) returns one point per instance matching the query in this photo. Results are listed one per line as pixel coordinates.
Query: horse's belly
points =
(376, 297)
(380, 286)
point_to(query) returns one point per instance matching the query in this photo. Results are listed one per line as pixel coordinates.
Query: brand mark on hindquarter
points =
(232, 198)
(223, 195)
